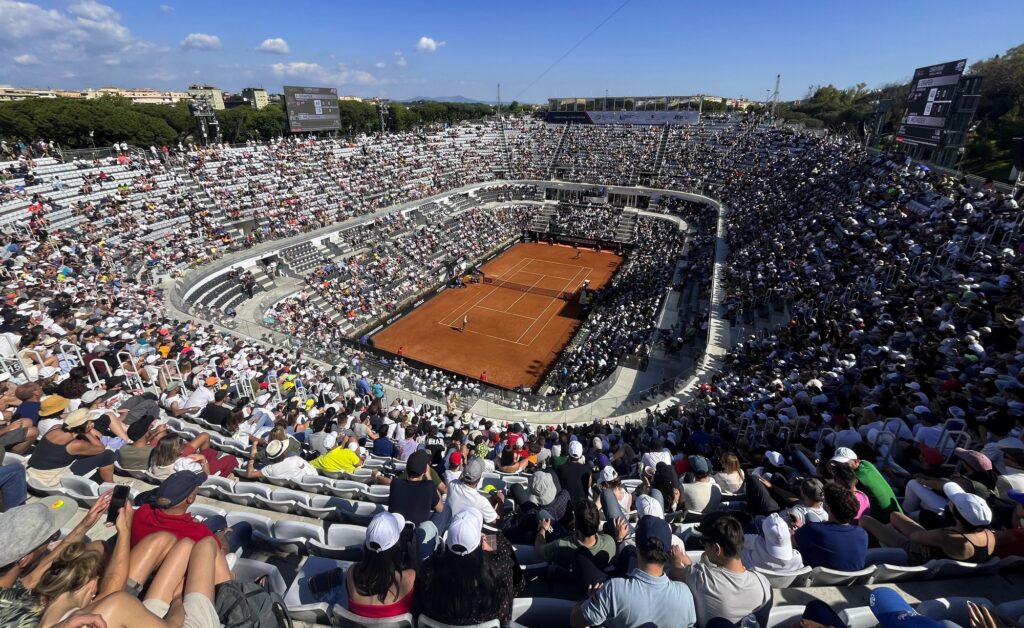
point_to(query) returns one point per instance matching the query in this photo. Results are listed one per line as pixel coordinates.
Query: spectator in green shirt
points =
(588, 544)
(872, 482)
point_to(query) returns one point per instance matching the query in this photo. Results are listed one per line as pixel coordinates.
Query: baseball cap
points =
(1017, 496)
(28, 526)
(575, 449)
(774, 457)
(176, 488)
(418, 462)
(276, 448)
(455, 459)
(700, 464)
(464, 532)
(77, 418)
(970, 506)
(608, 474)
(649, 527)
(92, 395)
(648, 506)
(384, 531)
(975, 459)
(844, 454)
(778, 541)
(473, 471)
(211, 380)
(892, 611)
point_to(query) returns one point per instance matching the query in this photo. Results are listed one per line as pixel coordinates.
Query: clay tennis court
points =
(514, 336)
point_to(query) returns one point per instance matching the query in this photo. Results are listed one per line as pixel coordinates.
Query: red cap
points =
(264, 385)
(930, 455)
(455, 459)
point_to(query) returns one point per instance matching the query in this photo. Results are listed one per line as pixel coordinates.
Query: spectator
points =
(463, 494)
(876, 487)
(646, 597)
(966, 537)
(837, 543)
(378, 586)
(701, 495)
(588, 544)
(730, 479)
(74, 447)
(574, 476)
(278, 465)
(343, 458)
(473, 579)
(721, 585)
(773, 548)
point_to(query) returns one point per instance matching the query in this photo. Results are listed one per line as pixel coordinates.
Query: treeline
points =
(102, 121)
(1000, 115)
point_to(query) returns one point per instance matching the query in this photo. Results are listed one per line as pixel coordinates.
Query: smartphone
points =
(117, 501)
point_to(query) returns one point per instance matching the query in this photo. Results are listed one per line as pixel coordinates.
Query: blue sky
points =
(400, 49)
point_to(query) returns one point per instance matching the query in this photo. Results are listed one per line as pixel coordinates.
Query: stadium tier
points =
(762, 362)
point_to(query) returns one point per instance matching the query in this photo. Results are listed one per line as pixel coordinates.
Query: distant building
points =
(141, 95)
(256, 97)
(352, 98)
(214, 95)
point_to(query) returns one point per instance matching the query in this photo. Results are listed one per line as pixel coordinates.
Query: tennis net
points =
(547, 292)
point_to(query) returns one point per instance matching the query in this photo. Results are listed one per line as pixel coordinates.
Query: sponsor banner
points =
(418, 303)
(644, 117)
(394, 318)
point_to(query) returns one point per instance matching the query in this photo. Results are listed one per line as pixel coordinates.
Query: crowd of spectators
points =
(586, 220)
(886, 413)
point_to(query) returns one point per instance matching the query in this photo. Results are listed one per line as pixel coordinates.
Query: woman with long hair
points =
(174, 454)
(473, 579)
(730, 479)
(379, 585)
(74, 446)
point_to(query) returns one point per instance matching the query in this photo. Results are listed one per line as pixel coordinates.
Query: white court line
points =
(457, 307)
(539, 279)
(544, 311)
(559, 263)
(544, 326)
(532, 318)
(480, 333)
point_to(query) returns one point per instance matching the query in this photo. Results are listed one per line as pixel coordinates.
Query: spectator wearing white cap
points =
(773, 548)
(965, 537)
(574, 475)
(473, 579)
(378, 585)
(871, 481)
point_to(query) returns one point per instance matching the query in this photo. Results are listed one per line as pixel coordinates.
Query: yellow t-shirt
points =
(338, 459)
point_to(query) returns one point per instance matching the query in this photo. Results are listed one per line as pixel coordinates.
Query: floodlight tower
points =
(775, 96)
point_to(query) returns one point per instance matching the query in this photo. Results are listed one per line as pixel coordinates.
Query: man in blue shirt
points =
(836, 543)
(646, 597)
(363, 385)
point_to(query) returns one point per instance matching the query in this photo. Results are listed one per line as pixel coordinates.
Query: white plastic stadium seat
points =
(302, 604)
(541, 612)
(780, 580)
(824, 577)
(426, 622)
(377, 494)
(943, 569)
(250, 570)
(358, 513)
(347, 619)
(785, 616)
(260, 523)
(858, 617)
(344, 542)
(289, 537)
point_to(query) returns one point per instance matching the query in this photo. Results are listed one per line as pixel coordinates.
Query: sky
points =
(401, 49)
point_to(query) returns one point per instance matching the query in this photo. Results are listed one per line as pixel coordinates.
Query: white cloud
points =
(87, 33)
(201, 41)
(400, 60)
(380, 65)
(166, 8)
(428, 44)
(274, 45)
(340, 74)
(26, 60)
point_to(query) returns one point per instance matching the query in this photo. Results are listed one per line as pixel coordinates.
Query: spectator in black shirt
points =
(215, 412)
(415, 497)
(574, 475)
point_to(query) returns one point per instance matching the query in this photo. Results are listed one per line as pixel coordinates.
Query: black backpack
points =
(248, 605)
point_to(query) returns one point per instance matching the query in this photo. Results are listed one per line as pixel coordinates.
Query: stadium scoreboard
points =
(312, 109)
(930, 103)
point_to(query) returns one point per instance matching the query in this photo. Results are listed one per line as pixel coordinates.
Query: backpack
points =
(242, 604)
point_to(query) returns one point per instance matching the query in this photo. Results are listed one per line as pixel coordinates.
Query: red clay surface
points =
(514, 336)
